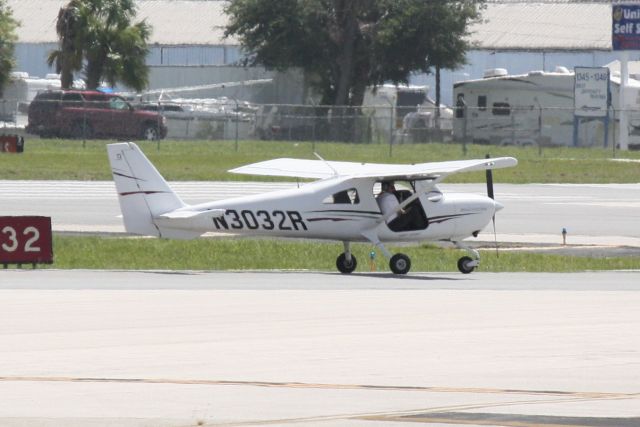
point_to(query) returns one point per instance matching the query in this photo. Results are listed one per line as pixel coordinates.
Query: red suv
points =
(91, 114)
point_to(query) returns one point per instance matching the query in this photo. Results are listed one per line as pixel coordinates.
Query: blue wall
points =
(32, 59)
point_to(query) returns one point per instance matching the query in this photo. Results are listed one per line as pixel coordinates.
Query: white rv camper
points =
(533, 108)
(20, 91)
(407, 113)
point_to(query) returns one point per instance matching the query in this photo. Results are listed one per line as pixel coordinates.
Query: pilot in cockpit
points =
(388, 201)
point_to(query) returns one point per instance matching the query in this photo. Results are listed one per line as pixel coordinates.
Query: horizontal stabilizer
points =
(212, 213)
(186, 224)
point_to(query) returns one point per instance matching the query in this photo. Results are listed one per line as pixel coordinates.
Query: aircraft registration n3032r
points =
(341, 204)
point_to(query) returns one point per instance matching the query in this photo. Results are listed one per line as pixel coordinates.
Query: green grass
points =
(209, 160)
(266, 254)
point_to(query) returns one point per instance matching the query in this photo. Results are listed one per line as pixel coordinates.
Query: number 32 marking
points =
(29, 246)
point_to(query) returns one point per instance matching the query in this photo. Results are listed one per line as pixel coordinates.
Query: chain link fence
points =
(76, 114)
(504, 124)
(108, 116)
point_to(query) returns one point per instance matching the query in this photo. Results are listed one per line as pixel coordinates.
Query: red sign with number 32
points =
(25, 239)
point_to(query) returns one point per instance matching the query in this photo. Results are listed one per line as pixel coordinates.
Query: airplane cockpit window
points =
(394, 193)
(349, 196)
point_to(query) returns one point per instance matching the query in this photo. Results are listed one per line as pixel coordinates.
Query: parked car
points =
(91, 114)
(166, 109)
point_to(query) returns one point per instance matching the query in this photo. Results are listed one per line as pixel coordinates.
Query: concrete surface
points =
(108, 348)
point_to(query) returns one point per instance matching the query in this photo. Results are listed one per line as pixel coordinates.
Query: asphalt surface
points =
(108, 348)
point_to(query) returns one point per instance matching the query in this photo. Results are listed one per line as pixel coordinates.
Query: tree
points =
(98, 37)
(343, 46)
(7, 43)
(68, 58)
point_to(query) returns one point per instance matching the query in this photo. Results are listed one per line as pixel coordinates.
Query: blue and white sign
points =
(626, 27)
(591, 91)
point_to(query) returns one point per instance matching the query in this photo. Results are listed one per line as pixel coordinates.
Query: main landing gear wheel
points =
(400, 264)
(345, 266)
(465, 265)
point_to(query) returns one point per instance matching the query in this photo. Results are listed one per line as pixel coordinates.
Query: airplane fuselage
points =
(311, 211)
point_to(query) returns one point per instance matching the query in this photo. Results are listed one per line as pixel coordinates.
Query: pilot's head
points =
(387, 186)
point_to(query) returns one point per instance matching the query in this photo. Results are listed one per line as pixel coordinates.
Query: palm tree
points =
(68, 59)
(101, 33)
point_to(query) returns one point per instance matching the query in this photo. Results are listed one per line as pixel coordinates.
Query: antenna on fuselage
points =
(335, 172)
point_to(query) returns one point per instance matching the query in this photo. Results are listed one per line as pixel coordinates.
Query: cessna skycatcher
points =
(340, 205)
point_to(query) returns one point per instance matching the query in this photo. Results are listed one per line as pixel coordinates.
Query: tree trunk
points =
(346, 35)
(347, 25)
(437, 121)
(65, 27)
(66, 68)
(437, 86)
(95, 66)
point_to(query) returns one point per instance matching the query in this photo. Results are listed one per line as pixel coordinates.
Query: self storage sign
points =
(626, 27)
(25, 240)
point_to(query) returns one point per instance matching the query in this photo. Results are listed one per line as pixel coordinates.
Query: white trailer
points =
(407, 113)
(20, 91)
(534, 108)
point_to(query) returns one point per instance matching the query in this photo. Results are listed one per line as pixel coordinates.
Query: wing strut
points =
(335, 172)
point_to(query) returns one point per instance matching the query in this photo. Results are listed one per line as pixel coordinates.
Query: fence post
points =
(513, 125)
(237, 120)
(390, 129)
(613, 142)
(84, 128)
(539, 128)
(464, 128)
(158, 125)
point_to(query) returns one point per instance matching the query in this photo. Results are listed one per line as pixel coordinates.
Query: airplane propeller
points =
(490, 194)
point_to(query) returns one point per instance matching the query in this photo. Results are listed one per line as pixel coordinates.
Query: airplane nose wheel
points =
(400, 264)
(466, 265)
(345, 266)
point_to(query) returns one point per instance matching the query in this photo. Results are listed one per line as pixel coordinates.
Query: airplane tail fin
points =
(142, 192)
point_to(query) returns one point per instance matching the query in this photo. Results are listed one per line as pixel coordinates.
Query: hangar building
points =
(188, 47)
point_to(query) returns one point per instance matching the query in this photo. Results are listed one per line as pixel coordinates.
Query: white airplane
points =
(340, 205)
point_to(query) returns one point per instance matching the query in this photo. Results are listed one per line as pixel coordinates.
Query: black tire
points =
(400, 264)
(81, 130)
(463, 265)
(344, 266)
(150, 132)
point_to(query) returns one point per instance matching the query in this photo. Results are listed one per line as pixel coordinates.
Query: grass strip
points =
(210, 160)
(267, 254)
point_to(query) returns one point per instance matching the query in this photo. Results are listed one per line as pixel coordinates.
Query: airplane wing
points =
(318, 169)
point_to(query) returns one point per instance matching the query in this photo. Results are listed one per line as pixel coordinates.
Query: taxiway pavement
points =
(97, 348)
(592, 214)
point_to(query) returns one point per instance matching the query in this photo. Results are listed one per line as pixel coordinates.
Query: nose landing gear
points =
(467, 264)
